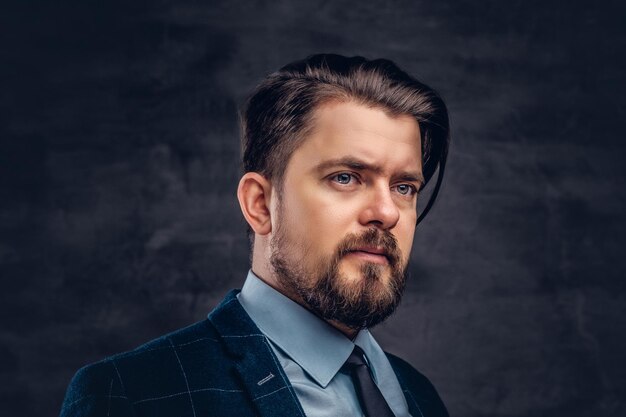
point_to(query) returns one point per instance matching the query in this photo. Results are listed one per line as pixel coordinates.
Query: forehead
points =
(370, 134)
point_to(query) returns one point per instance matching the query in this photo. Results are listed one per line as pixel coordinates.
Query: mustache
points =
(371, 238)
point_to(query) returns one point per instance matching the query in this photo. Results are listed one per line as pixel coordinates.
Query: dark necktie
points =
(372, 401)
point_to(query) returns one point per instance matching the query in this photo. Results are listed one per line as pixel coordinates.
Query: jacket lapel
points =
(414, 408)
(254, 361)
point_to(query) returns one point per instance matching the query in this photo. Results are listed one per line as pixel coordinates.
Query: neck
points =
(349, 332)
(270, 279)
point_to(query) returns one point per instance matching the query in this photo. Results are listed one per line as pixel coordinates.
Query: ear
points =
(254, 193)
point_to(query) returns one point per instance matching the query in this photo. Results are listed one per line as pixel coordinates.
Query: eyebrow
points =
(359, 165)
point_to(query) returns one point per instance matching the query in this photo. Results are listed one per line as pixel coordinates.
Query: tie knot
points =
(356, 358)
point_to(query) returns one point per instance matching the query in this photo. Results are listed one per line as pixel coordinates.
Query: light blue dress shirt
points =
(312, 353)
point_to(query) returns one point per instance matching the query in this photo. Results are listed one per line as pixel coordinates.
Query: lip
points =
(371, 249)
(371, 254)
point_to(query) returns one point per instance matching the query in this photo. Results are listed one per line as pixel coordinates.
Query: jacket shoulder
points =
(201, 332)
(417, 388)
(96, 390)
(154, 369)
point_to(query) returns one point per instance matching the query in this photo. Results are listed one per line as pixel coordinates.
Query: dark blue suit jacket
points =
(222, 366)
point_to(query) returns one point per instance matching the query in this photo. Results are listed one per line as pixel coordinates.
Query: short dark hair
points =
(277, 116)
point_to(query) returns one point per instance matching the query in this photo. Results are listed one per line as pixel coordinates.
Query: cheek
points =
(318, 219)
(405, 236)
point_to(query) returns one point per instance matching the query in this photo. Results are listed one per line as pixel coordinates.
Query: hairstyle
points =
(277, 117)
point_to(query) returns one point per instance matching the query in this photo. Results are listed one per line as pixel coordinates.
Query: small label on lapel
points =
(264, 380)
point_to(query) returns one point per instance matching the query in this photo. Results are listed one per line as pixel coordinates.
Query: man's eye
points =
(405, 189)
(343, 178)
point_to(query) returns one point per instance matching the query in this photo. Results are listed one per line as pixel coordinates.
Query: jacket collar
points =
(255, 362)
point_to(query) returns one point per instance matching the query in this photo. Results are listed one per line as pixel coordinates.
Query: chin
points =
(374, 276)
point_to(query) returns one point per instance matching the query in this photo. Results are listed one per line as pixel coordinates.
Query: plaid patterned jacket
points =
(222, 367)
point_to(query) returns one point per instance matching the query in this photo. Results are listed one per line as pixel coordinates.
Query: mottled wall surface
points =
(119, 162)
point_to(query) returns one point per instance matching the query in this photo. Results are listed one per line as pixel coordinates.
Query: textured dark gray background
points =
(119, 162)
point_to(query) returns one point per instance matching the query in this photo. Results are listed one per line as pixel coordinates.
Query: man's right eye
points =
(343, 178)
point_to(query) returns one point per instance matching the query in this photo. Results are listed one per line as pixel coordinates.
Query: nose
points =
(380, 209)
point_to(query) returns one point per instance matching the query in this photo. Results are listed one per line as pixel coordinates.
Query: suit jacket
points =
(222, 366)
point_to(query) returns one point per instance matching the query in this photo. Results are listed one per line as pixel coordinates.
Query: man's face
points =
(344, 223)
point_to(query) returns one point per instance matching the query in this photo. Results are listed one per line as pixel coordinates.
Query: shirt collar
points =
(320, 349)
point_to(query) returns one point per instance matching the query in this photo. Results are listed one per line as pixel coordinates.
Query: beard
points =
(355, 301)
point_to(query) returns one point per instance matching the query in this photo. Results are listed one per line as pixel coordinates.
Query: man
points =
(335, 152)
